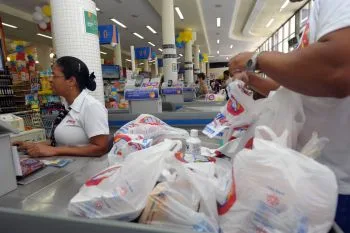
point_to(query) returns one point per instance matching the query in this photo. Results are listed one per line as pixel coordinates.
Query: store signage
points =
(143, 53)
(172, 91)
(160, 62)
(108, 34)
(188, 89)
(141, 94)
(90, 23)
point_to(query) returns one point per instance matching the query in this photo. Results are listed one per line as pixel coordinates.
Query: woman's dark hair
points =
(201, 76)
(227, 73)
(72, 66)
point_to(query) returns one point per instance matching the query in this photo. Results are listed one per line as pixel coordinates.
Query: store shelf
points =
(4, 96)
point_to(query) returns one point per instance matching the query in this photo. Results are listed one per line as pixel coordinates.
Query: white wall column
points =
(71, 38)
(43, 51)
(202, 67)
(169, 49)
(117, 58)
(156, 66)
(133, 65)
(196, 69)
(146, 65)
(188, 63)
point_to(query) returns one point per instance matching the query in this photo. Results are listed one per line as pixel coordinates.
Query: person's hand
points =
(238, 63)
(40, 150)
(21, 146)
(243, 76)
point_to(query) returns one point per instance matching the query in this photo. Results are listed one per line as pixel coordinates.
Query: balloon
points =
(47, 19)
(43, 25)
(38, 9)
(46, 10)
(38, 16)
(19, 48)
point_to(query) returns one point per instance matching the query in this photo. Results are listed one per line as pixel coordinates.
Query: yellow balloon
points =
(181, 35)
(46, 10)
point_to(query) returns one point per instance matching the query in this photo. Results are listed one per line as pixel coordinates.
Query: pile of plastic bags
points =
(256, 182)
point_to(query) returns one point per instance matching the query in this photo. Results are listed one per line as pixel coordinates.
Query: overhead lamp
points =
(128, 60)
(218, 22)
(199, 51)
(210, 56)
(141, 64)
(117, 22)
(218, 52)
(218, 41)
(285, 4)
(231, 46)
(226, 58)
(36, 62)
(98, 9)
(52, 55)
(151, 43)
(180, 55)
(8, 59)
(160, 49)
(270, 22)
(104, 53)
(151, 29)
(138, 35)
(43, 35)
(9, 25)
(179, 13)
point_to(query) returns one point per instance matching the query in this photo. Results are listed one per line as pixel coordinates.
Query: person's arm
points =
(322, 69)
(97, 146)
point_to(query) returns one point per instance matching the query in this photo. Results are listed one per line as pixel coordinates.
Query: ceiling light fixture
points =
(9, 25)
(160, 49)
(218, 22)
(180, 55)
(270, 22)
(199, 50)
(151, 29)
(226, 58)
(231, 46)
(179, 13)
(138, 35)
(104, 53)
(36, 62)
(218, 52)
(117, 22)
(43, 35)
(210, 56)
(141, 64)
(52, 55)
(128, 60)
(98, 9)
(151, 43)
(8, 59)
(285, 4)
(218, 41)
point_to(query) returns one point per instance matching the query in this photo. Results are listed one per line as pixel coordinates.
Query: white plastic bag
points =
(120, 192)
(145, 131)
(314, 146)
(280, 190)
(239, 110)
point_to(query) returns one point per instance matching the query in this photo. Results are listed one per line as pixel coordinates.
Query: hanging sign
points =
(90, 23)
(160, 62)
(143, 53)
(108, 34)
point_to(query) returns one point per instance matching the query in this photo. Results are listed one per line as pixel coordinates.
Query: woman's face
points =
(59, 83)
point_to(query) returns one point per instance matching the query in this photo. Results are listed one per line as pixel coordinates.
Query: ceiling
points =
(243, 22)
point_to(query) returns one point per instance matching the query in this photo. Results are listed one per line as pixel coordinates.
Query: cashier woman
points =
(320, 72)
(81, 129)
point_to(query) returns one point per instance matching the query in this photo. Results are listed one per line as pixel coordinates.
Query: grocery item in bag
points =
(120, 192)
(238, 111)
(144, 131)
(280, 190)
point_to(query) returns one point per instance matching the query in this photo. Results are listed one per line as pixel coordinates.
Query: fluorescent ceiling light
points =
(9, 25)
(160, 49)
(141, 64)
(128, 60)
(199, 50)
(227, 57)
(98, 9)
(36, 62)
(285, 4)
(151, 43)
(151, 29)
(8, 59)
(46, 36)
(270, 22)
(218, 41)
(52, 55)
(210, 56)
(117, 22)
(231, 46)
(103, 53)
(218, 22)
(218, 52)
(138, 35)
(180, 55)
(179, 13)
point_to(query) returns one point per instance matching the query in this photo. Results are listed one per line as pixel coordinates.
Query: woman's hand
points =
(238, 63)
(36, 149)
